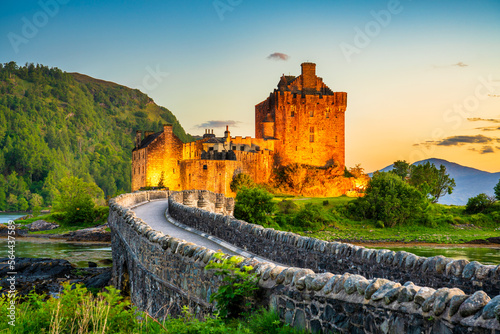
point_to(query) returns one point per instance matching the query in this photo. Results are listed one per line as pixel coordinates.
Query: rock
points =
(361, 286)
(392, 295)
(339, 286)
(489, 309)
(470, 269)
(455, 303)
(456, 267)
(483, 271)
(320, 281)
(98, 233)
(330, 284)
(474, 303)
(407, 294)
(443, 297)
(423, 294)
(383, 290)
(41, 225)
(374, 286)
(100, 281)
(428, 304)
(350, 283)
(92, 264)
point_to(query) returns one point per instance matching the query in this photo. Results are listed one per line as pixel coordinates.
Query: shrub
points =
(254, 205)
(478, 203)
(236, 296)
(312, 217)
(389, 199)
(287, 206)
(241, 181)
(497, 191)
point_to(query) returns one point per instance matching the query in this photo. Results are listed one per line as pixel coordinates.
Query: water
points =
(480, 254)
(5, 217)
(78, 253)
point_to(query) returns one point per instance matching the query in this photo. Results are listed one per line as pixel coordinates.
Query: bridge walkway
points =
(153, 213)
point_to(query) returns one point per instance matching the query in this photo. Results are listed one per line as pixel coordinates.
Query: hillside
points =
(54, 124)
(470, 181)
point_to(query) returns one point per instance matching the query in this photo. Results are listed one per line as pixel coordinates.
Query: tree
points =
(497, 191)
(391, 200)
(254, 205)
(23, 204)
(241, 180)
(402, 169)
(479, 203)
(161, 182)
(76, 199)
(36, 203)
(431, 181)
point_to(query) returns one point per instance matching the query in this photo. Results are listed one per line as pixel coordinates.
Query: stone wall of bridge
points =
(162, 273)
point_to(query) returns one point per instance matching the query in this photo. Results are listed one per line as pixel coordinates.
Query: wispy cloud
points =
(460, 64)
(484, 150)
(278, 56)
(217, 124)
(478, 119)
(461, 140)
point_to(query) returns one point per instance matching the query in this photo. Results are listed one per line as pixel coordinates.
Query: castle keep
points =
(302, 121)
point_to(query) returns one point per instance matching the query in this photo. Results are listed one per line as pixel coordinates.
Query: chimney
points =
(227, 134)
(168, 129)
(138, 138)
(308, 75)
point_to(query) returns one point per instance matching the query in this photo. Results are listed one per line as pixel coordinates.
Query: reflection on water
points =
(480, 254)
(78, 253)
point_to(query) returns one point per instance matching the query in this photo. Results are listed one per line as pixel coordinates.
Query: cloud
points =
(461, 140)
(278, 56)
(477, 119)
(484, 150)
(460, 64)
(216, 124)
(489, 128)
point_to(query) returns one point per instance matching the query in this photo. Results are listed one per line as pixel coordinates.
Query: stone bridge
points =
(320, 286)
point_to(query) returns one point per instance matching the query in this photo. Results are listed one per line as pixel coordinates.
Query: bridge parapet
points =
(163, 273)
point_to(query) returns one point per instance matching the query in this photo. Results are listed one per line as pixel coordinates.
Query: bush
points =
(241, 181)
(312, 217)
(479, 203)
(254, 205)
(287, 206)
(390, 199)
(497, 191)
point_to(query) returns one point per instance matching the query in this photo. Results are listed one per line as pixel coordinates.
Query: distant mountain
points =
(470, 181)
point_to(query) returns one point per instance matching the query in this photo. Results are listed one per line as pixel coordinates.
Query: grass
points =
(77, 310)
(450, 224)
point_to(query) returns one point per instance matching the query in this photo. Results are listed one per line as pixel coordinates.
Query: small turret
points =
(138, 138)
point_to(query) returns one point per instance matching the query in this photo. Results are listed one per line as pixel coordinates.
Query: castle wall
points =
(139, 169)
(310, 129)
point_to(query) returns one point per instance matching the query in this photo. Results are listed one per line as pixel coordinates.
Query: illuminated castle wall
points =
(302, 121)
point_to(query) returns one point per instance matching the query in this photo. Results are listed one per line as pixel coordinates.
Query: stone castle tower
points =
(306, 118)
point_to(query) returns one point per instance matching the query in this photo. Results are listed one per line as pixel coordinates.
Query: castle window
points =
(311, 113)
(210, 148)
(296, 148)
(327, 114)
(292, 113)
(242, 148)
(311, 138)
(335, 138)
(294, 128)
(234, 148)
(311, 129)
(205, 167)
(173, 170)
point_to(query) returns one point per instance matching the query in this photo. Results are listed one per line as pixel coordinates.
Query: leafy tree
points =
(23, 204)
(241, 180)
(391, 200)
(479, 203)
(36, 203)
(357, 171)
(431, 181)
(402, 169)
(161, 183)
(76, 199)
(12, 203)
(497, 191)
(254, 205)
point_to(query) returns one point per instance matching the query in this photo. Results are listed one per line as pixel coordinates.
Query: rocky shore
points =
(47, 275)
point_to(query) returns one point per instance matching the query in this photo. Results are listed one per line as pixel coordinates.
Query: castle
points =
(302, 121)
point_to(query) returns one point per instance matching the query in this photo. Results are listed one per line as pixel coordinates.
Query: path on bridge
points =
(153, 213)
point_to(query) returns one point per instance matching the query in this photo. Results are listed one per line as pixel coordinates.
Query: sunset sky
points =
(422, 76)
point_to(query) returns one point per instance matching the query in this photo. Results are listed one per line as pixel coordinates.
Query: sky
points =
(422, 77)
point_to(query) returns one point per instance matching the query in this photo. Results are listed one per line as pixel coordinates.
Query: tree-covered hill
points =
(54, 124)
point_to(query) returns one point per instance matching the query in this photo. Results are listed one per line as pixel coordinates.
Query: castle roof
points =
(148, 140)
